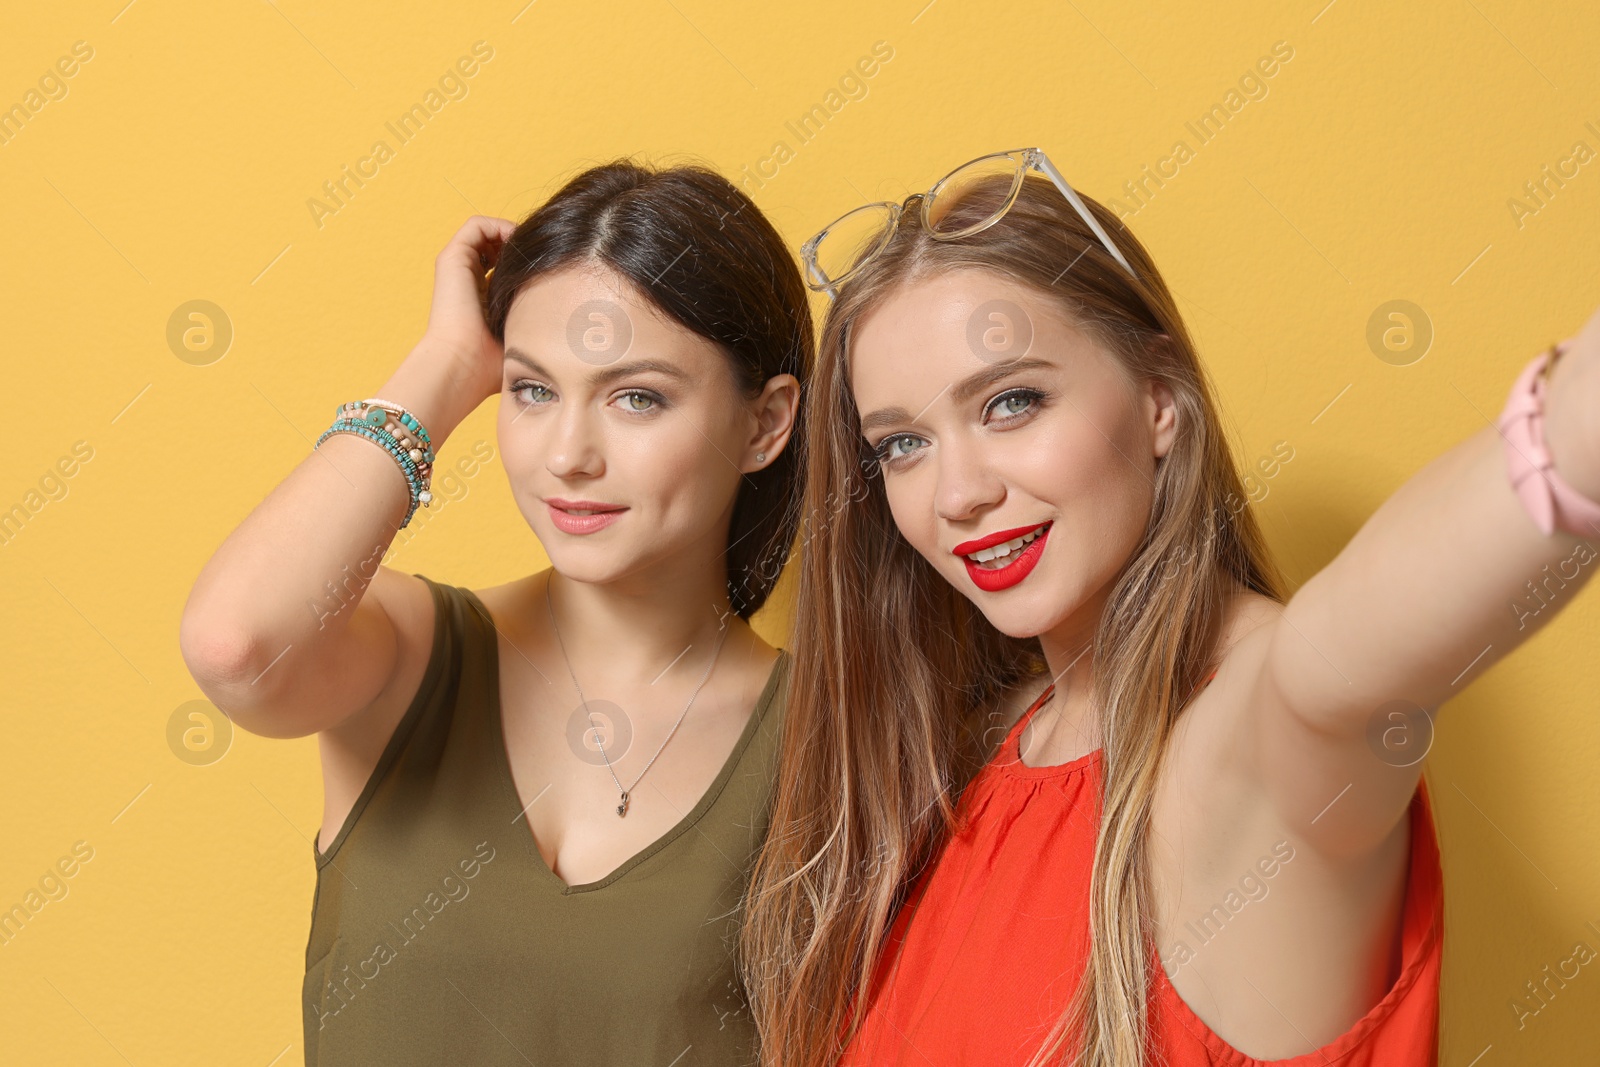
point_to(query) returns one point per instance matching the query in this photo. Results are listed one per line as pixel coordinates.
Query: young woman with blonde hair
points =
(1015, 824)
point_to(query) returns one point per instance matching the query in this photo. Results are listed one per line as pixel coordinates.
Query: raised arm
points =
(1448, 576)
(261, 633)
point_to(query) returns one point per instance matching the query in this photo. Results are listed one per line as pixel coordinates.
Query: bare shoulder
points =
(1208, 741)
(407, 602)
(760, 656)
(404, 599)
(350, 749)
(511, 602)
(1244, 626)
(1204, 803)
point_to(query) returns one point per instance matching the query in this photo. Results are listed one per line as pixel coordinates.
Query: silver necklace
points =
(622, 808)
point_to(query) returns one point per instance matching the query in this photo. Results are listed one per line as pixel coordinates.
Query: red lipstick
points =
(998, 538)
(994, 580)
(602, 515)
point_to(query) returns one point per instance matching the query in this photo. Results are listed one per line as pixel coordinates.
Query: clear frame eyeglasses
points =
(855, 238)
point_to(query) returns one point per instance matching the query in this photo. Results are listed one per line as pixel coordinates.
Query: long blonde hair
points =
(895, 672)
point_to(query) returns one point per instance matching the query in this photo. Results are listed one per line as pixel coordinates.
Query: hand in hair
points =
(456, 324)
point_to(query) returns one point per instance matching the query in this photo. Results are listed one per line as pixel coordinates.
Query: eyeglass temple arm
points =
(1049, 168)
(823, 281)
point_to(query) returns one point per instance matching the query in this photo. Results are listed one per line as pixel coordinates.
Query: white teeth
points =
(984, 555)
(575, 511)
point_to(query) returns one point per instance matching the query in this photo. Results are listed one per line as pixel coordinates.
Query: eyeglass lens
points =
(973, 195)
(855, 237)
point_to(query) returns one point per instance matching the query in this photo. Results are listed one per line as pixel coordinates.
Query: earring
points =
(761, 457)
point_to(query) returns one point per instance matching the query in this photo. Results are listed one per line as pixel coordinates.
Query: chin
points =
(1022, 612)
(586, 560)
(594, 559)
(1019, 625)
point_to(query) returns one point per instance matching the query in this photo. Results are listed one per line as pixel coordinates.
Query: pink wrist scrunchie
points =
(1545, 495)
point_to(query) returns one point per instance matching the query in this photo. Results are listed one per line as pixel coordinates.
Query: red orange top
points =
(986, 953)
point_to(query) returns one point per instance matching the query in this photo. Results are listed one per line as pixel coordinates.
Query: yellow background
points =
(179, 165)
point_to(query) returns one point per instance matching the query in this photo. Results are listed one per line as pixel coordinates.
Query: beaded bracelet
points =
(405, 417)
(388, 443)
(398, 432)
(398, 423)
(401, 426)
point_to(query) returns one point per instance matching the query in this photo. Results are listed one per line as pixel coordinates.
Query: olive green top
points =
(439, 935)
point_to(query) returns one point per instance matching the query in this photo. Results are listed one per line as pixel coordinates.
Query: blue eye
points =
(1013, 402)
(897, 447)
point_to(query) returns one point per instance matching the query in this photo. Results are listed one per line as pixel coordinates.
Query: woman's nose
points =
(967, 483)
(575, 452)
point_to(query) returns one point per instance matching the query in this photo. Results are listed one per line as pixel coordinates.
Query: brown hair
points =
(895, 671)
(702, 252)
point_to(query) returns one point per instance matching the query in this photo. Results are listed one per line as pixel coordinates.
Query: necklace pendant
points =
(622, 809)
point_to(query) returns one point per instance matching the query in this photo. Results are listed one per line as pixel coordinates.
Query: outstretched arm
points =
(1449, 575)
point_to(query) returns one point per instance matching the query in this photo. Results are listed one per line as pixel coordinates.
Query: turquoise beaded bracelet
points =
(387, 441)
(391, 427)
(377, 415)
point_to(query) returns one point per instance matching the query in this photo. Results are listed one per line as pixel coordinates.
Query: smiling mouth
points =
(998, 557)
(582, 517)
(582, 507)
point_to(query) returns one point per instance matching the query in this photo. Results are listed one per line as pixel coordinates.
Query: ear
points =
(1161, 408)
(775, 411)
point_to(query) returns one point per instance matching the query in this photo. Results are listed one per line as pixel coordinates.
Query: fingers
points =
(479, 228)
(477, 244)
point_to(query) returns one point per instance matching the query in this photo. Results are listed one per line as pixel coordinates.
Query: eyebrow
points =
(608, 374)
(960, 392)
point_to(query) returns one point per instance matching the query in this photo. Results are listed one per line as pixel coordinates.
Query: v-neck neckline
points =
(518, 810)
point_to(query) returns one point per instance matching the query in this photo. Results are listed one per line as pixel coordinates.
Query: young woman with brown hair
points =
(542, 799)
(1014, 823)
